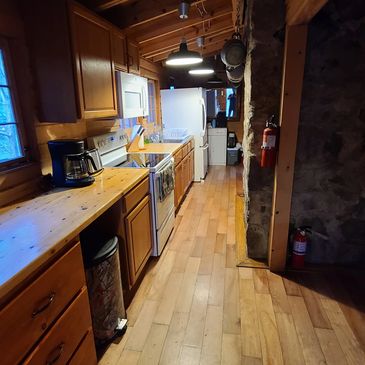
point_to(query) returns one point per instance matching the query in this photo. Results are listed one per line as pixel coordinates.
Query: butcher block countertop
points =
(33, 231)
(162, 147)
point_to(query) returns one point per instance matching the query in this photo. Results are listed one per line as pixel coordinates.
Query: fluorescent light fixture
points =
(184, 57)
(204, 69)
(201, 71)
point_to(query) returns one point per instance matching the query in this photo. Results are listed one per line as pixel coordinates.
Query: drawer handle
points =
(56, 354)
(47, 302)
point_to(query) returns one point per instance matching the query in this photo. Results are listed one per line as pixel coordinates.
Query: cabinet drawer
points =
(191, 145)
(85, 354)
(131, 199)
(31, 313)
(178, 156)
(62, 340)
(185, 150)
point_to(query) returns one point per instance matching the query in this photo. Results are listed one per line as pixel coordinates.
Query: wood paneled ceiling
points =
(156, 26)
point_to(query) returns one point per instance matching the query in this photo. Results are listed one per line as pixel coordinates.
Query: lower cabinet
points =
(82, 355)
(50, 316)
(184, 171)
(64, 337)
(139, 238)
(178, 183)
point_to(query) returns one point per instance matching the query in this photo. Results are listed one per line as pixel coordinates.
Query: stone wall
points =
(263, 73)
(329, 182)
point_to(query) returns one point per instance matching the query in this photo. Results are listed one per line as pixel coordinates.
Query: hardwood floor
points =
(196, 307)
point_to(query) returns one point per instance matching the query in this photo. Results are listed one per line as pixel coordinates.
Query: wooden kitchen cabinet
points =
(92, 40)
(139, 238)
(51, 309)
(184, 171)
(133, 57)
(72, 54)
(119, 46)
(185, 174)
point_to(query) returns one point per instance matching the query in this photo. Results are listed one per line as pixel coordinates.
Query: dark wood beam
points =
(302, 11)
(101, 5)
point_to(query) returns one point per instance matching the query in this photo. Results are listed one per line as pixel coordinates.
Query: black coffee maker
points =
(69, 163)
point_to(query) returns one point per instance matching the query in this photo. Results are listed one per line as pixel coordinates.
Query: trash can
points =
(105, 291)
(233, 156)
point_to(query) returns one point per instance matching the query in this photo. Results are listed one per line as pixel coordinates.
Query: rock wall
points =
(262, 85)
(329, 182)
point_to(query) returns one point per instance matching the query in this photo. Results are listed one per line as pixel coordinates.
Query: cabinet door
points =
(139, 238)
(178, 184)
(119, 51)
(185, 174)
(94, 65)
(189, 169)
(133, 58)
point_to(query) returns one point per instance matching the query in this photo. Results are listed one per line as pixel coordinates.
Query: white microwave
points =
(132, 95)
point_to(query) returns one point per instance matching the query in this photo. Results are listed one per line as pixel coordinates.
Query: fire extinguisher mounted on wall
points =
(270, 139)
(300, 243)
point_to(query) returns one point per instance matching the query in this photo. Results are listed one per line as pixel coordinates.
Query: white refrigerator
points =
(186, 108)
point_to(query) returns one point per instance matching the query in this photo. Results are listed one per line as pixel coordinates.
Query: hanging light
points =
(201, 70)
(215, 80)
(183, 57)
(184, 10)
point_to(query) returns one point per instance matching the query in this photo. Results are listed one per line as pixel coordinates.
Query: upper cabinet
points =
(119, 50)
(133, 57)
(74, 55)
(92, 40)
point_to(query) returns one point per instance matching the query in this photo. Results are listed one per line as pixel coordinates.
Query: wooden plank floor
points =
(196, 307)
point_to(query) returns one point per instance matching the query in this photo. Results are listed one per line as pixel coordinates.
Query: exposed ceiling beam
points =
(224, 33)
(159, 16)
(207, 51)
(190, 34)
(302, 11)
(157, 30)
(213, 45)
(100, 5)
(237, 7)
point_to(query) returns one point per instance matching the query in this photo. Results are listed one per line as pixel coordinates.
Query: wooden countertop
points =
(162, 147)
(33, 231)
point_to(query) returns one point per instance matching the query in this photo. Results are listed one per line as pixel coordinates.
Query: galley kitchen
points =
(181, 182)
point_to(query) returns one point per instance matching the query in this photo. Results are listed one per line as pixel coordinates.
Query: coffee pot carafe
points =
(69, 164)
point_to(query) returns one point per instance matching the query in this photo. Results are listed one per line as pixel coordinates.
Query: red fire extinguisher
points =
(269, 143)
(300, 242)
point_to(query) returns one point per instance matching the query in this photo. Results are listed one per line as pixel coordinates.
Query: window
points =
(11, 148)
(151, 102)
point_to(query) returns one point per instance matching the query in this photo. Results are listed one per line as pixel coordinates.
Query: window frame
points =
(153, 82)
(8, 64)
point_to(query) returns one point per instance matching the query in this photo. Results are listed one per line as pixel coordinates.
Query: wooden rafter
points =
(219, 35)
(100, 5)
(302, 11)
(212, 46)
(172, 24)
(162, 15)
(190, 34)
